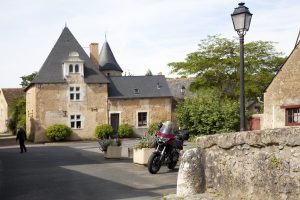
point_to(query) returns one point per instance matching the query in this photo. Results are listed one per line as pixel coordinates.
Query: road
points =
(77, 170)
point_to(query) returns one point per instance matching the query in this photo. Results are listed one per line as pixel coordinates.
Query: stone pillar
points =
(191, 175)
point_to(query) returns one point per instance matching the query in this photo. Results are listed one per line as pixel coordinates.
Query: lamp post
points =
(241, 18)
(182, 90)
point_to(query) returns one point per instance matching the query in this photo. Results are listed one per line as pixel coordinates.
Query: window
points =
(293, 116)
(142, 119)
(75, 93)
(136, 91)
(76, 68)
(71, 68)
(75, 121)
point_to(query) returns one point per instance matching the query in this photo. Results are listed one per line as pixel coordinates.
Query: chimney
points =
(94, 53)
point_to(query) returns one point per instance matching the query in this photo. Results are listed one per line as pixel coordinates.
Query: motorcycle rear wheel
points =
(154, 163)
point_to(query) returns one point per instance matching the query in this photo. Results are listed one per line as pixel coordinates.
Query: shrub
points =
(104, 131)
(145, 142)
(125, 130)
(103, 144)
(58, 132)
(17, 115)
(153, 128)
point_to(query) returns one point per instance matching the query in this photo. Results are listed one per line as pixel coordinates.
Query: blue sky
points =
(143, 34)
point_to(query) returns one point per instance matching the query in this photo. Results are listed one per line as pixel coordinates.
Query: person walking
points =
(21, 136)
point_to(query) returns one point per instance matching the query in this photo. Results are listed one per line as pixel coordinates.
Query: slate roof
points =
(131, 87)
(11, 94)
(51, 71)
(107, 60)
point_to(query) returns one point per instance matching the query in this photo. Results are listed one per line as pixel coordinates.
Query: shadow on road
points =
(63, 172)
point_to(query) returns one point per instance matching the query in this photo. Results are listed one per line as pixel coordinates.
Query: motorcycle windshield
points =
(167, 128)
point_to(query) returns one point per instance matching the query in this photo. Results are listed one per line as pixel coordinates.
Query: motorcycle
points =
(167, 147)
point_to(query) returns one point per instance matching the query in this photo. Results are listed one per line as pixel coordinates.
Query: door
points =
(114, 121)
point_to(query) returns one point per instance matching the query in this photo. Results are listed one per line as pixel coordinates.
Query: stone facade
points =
(283, 93)
(3, 113)
(157, 109)
(245, 165)
(49, 104)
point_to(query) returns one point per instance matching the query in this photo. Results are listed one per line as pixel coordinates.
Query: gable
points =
(288, 77)
(52, 72)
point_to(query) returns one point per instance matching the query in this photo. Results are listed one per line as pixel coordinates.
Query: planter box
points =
(141, 156)
(113, 152)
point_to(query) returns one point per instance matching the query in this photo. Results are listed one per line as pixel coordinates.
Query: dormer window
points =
(70, 68)
(73, 65)
(76, 68)
(73, 69)
(136, 91)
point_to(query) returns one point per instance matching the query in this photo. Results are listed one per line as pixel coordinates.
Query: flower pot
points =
(113, 152)
(141, 156)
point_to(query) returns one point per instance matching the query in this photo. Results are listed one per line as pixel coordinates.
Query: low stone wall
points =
(245, 165)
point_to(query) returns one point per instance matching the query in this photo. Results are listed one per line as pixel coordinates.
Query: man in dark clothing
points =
(21, 136)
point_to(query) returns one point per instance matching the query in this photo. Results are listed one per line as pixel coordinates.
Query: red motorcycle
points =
(167, 147)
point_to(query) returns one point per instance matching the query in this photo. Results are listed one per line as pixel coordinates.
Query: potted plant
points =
(142, 150)
(111, 147)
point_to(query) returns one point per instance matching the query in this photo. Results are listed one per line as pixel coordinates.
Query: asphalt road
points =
(77, 170)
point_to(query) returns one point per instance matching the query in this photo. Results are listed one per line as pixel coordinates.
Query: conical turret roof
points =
(107, 60)
(52, 72)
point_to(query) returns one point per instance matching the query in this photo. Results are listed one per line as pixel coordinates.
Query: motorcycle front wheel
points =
(154, 163)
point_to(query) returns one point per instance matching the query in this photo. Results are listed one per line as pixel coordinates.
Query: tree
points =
(216, 66)
(208, 113)
(26, 79)
(17, 114)
(149, 73)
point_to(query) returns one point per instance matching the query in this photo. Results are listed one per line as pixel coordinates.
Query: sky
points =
(143, 34)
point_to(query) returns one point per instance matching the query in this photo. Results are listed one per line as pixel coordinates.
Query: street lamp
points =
(182, 90)
(241, 18)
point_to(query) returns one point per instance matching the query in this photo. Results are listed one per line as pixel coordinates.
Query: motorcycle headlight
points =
(161, 139)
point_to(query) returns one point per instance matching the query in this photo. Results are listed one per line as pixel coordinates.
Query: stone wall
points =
(158, 109)
(245, 165)
(49, 104)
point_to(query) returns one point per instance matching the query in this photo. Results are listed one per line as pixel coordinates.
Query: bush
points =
(125, 130)
(58, 132)
(145, 142)
(153, 128)
(104, 131)
(103, 144)
(17, 115)
(208, 113)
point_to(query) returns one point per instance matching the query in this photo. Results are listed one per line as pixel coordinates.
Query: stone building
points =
(7, 97)
(74, 89)
(282, 96)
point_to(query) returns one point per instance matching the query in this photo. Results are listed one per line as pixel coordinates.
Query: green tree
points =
(216, 66)
(149, 73)
(26, 79)
(17, 114)
(208, 113)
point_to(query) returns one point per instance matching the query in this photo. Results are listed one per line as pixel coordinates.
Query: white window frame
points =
(77, 117)
(147, 118)
(75, 92)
